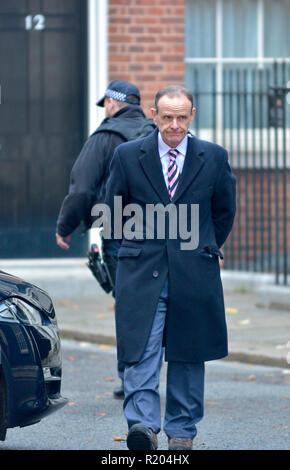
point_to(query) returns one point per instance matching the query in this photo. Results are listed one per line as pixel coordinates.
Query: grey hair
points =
(172, 91)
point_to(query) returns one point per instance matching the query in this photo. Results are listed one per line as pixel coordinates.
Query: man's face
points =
(173, 118)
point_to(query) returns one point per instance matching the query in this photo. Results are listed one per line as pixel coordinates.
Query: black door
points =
(42, 120)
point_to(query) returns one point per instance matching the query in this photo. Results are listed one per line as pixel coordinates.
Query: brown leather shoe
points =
(180, 443)
(140, 437)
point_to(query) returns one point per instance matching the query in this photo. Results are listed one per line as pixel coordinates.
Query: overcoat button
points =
(155, 273)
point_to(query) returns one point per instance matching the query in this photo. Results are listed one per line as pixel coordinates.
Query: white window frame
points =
(97, 59)
(97, 14)
(219, 60)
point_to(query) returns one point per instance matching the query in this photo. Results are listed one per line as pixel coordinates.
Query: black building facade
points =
(43, 120)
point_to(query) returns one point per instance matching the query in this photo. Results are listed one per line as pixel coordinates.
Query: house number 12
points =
(36, 22)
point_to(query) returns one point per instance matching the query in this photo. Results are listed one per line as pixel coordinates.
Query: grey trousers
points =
(184, 390)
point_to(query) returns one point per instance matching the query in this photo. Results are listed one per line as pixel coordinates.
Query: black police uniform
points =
(91, 169)
(88, 181)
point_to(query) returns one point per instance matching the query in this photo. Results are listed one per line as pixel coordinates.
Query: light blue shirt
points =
(163, 149)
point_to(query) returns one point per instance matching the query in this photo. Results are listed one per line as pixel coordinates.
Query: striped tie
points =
(173, 172)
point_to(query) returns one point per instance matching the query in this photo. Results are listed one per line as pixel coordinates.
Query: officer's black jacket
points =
(91, 169)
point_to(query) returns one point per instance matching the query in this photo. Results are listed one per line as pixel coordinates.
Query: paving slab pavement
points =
(257, 311)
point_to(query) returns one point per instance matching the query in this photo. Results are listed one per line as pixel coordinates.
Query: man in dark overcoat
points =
(168, 287)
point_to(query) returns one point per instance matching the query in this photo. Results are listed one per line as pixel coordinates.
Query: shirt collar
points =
(164, 148)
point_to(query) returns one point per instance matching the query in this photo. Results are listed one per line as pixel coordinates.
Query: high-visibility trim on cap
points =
(116, 95)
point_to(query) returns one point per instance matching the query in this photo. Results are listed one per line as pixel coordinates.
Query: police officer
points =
(90, 172)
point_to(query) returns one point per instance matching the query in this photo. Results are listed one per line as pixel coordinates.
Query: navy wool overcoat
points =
(195, 328)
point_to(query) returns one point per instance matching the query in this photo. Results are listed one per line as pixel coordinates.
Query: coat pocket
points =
(129, 252)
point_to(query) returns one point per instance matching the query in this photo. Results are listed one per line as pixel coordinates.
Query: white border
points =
(97, 59)
(97, 70)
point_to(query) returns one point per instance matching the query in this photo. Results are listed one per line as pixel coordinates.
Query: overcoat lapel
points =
(150, 161)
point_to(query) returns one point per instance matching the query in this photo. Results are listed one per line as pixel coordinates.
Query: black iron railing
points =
(247, 110)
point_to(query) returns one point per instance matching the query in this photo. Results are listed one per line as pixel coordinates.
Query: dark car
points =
(30, 354)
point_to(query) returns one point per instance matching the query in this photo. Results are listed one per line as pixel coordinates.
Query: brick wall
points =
(261, 221)
(146, 44)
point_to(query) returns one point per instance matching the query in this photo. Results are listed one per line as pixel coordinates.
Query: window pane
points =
(240, 28)
(238, 106)
(245, 96)
(200, 80)
(200, 28)
(276, 28)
